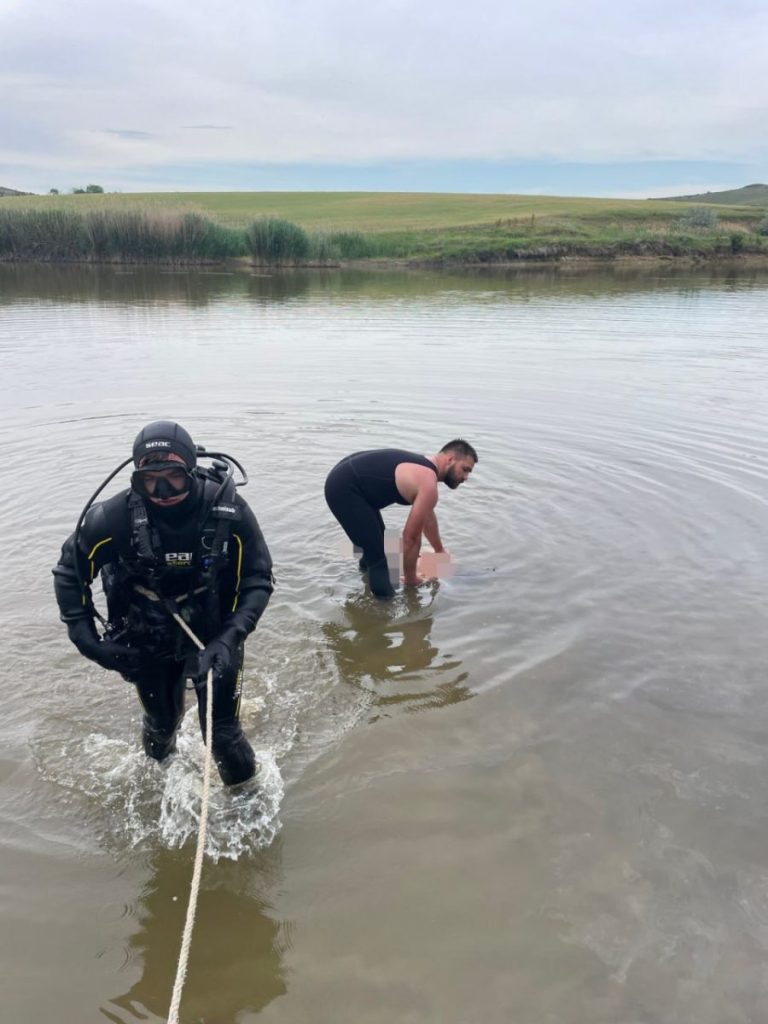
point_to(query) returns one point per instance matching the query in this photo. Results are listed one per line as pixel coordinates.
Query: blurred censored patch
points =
(393, 542)
(344, 547)
(434, 566)
(393, 545)
(431, 565)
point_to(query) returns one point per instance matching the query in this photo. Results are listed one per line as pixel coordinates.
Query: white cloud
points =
(336, 82)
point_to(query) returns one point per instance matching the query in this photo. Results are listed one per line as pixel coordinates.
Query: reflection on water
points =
(136, 285)
(393, 656)
(235, 959)
(201, 286)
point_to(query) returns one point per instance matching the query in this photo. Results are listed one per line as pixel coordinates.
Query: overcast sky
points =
(566, 97)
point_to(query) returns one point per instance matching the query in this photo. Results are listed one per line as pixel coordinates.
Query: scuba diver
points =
(359, 486)
(178, 540)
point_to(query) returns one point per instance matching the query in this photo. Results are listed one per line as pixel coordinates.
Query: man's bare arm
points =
(423, 507)
(432, 532)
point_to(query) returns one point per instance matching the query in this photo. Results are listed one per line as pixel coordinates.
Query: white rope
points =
(186, 941)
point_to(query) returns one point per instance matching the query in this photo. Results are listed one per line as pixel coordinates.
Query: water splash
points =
(128, 799)
(240, 820)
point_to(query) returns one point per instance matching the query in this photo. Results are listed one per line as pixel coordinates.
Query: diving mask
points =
(162, 480)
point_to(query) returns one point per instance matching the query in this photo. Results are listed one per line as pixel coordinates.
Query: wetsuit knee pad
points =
(233, 754)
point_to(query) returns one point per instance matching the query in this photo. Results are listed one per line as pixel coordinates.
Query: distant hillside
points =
(12, 192)
(750, 195)
(333, 228)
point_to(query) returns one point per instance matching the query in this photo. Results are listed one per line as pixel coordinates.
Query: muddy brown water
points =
(532, 793)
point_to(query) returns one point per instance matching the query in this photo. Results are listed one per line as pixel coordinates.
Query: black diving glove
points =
(217, 656)
(107, 653)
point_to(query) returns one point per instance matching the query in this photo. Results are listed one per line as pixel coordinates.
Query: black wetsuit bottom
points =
(364, 526)
(161, 686)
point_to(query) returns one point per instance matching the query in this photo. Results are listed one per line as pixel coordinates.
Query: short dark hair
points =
(461, 448)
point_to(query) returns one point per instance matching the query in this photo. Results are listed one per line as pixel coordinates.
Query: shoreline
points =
(571, 261)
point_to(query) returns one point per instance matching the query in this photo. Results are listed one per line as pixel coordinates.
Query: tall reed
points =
(56, 234)
(273, 240)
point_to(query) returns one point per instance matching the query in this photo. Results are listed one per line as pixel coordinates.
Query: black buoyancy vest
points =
(211, 540)
(171, 573)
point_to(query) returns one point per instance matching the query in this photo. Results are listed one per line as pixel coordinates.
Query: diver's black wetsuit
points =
(356, 489)
(229, 607)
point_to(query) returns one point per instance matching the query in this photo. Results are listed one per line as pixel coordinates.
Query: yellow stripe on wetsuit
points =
(93, 551)
(239, 569)
(239, 683)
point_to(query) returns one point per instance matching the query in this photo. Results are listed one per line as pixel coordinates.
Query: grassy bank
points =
(325, 228)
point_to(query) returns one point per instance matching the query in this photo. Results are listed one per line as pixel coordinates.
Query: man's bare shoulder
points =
(413, 478)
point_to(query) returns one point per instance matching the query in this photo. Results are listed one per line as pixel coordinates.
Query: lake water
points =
(533, 793)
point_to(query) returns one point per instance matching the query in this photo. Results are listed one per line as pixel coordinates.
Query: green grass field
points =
(411, 226)
(366, 211)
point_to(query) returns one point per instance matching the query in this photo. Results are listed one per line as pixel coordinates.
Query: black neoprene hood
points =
(162, 438)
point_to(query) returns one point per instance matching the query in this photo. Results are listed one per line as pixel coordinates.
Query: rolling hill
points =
(749, 195)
